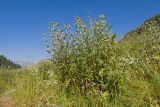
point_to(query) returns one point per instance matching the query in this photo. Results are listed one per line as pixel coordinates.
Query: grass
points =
(6, 79)
(33, 89)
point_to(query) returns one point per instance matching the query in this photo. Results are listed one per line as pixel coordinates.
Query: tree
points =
(5, 63)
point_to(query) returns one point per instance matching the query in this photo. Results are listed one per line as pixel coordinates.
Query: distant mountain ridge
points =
(6, 63)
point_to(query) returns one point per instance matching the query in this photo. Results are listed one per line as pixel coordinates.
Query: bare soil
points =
(5, 100)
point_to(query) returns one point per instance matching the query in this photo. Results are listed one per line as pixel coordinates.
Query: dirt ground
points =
(5, 100)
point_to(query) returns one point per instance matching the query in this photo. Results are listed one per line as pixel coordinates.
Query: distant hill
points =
(144, 42)
(6, 63)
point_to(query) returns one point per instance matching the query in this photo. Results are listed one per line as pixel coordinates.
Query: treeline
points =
(8, 64)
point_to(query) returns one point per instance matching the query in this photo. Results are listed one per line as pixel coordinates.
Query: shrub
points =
(87, 58)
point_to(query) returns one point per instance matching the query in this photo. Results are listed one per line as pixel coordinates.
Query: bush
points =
(87, 58)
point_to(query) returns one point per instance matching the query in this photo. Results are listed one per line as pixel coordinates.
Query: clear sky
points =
(22, 22)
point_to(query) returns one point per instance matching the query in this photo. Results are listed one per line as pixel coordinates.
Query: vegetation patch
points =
(89, 68)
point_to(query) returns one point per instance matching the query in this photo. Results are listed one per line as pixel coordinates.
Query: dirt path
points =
(5, 99)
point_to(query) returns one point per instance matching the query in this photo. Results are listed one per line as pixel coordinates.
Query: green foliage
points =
(45, 69)
(7, 64)
(144, 42)
(87, 58)
(6, 80)
(33, 90)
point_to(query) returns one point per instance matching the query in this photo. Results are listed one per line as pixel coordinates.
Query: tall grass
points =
(6, 80)
(33, 90)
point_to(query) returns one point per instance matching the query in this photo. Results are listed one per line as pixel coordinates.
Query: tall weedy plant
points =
(86, 58)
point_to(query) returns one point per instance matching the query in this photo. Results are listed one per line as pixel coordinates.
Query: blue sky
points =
(22, 22)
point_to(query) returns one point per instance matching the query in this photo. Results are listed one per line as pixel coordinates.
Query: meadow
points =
(88, 68)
